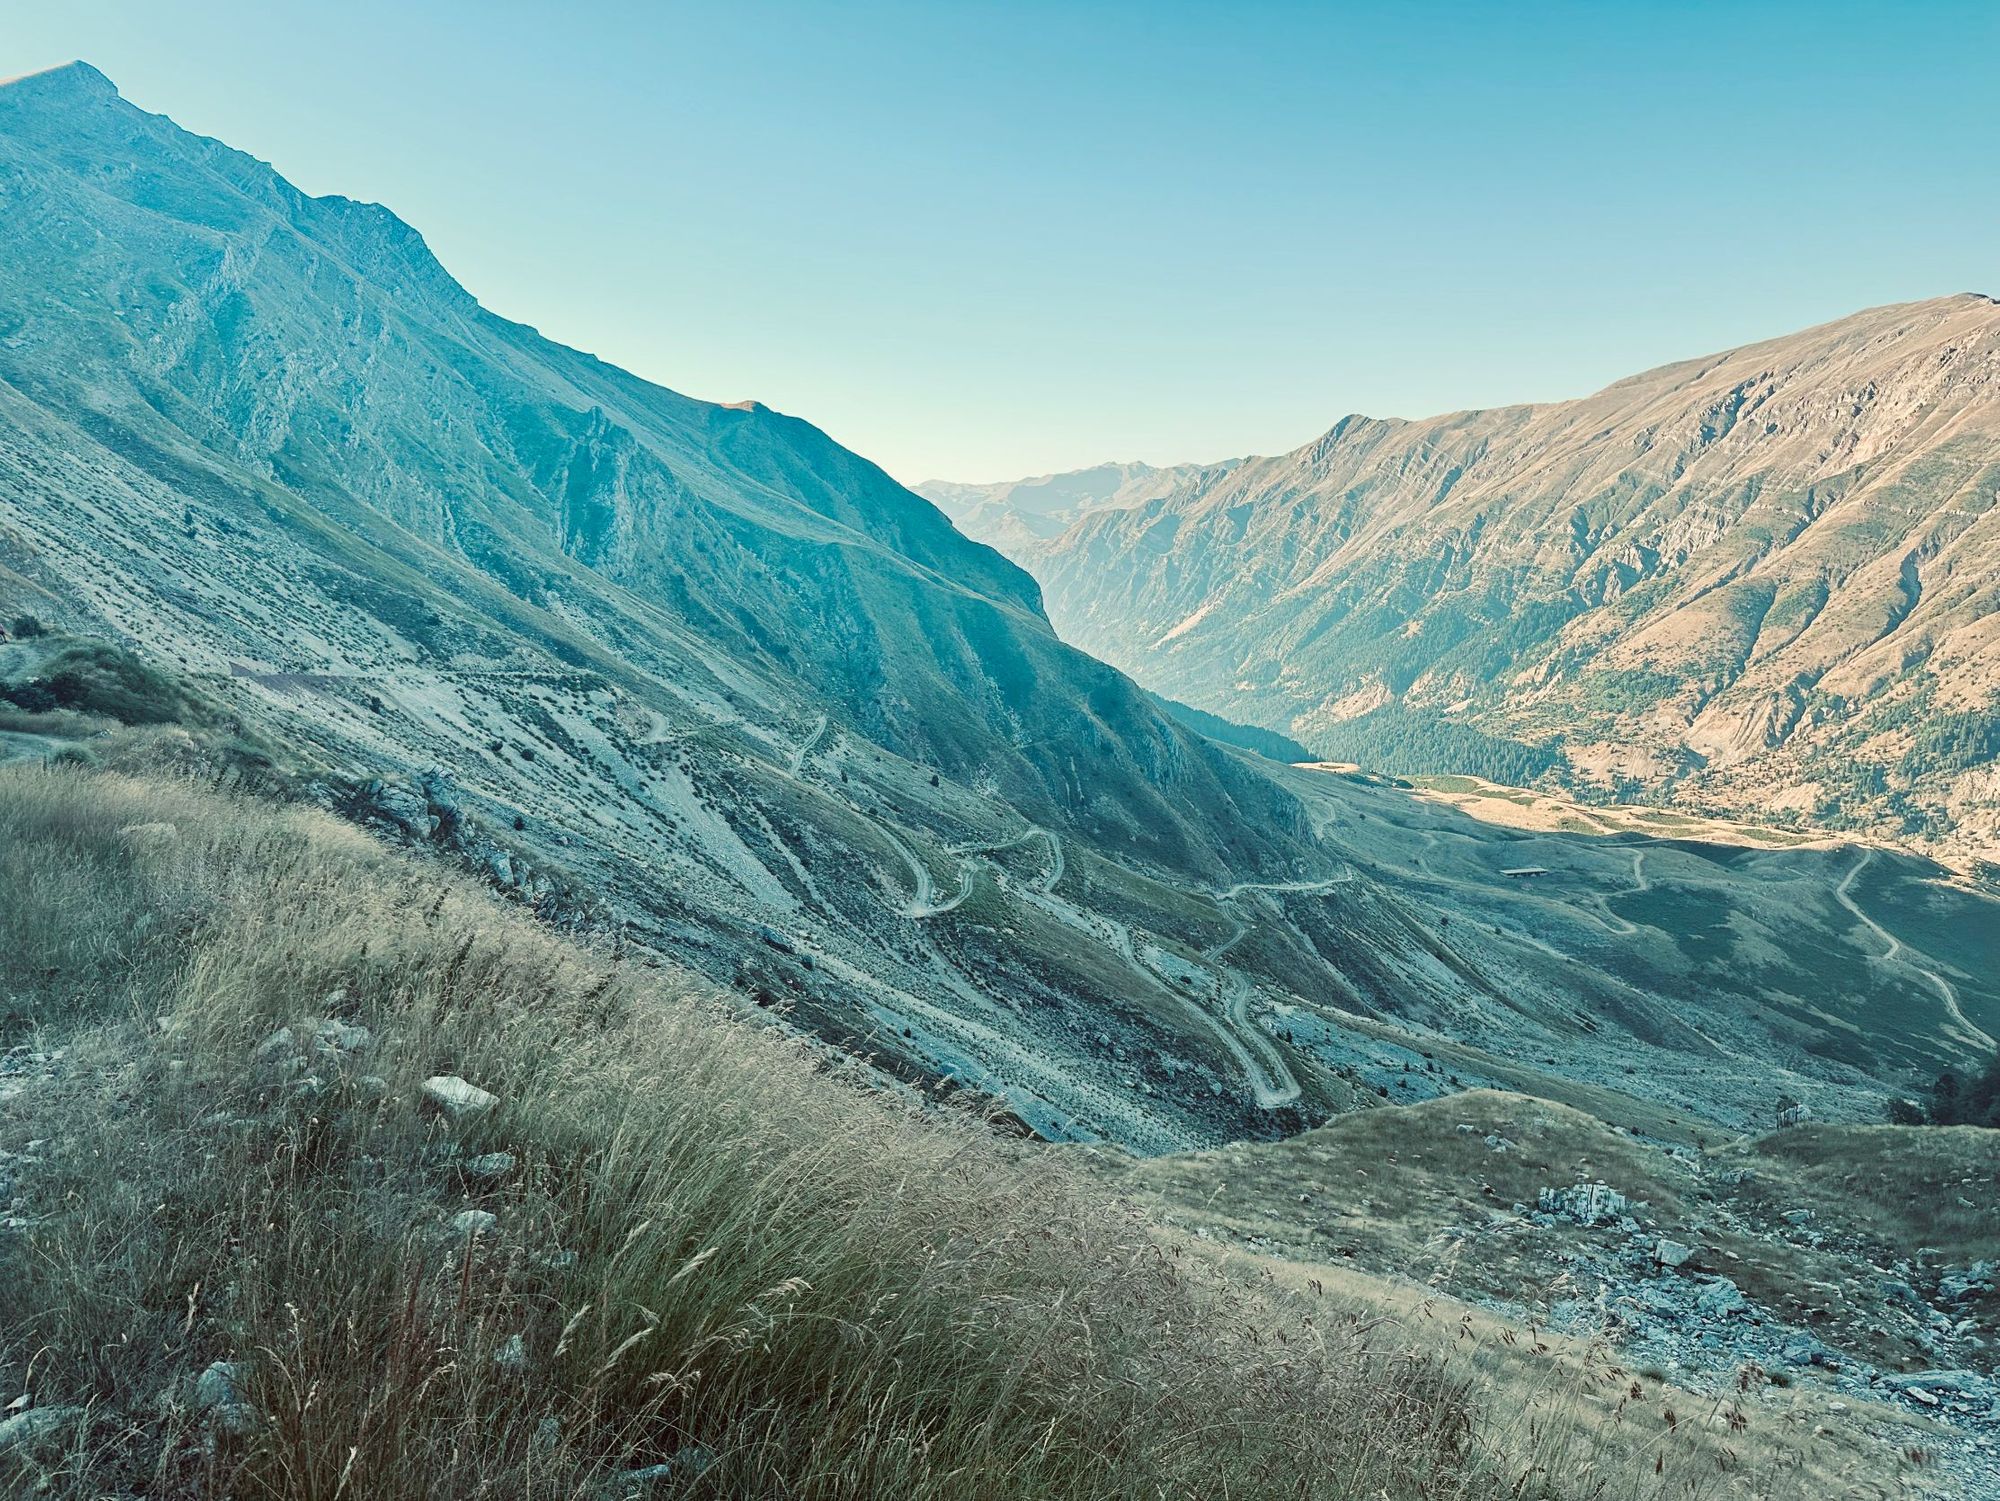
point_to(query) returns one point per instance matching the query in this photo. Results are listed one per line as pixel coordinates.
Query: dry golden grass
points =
(1570, 1416)
(1902, 1187)
(1366, 1215)
(716, 1252)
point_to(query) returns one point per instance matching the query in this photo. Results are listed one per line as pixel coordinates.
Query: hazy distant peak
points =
(1016, 515)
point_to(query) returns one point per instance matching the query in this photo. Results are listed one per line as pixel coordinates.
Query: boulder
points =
(1719, 1297)
(471, 1222)
(343, 1037)
(489, 1165)
(36, 1429)
(218, 1391)
(1584, 1204)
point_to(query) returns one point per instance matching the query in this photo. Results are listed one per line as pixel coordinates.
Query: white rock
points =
(473, 1221)
(1672, 1253)
(513, 1354)
(276, 1043)
(489, 1165)
(456, 1096)
(345, 1037)
(219, 1386)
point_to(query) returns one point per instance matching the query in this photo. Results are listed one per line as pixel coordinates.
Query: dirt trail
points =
(806, 746)
(1895, 949)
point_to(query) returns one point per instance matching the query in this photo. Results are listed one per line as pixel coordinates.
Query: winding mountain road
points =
(1270, 1079)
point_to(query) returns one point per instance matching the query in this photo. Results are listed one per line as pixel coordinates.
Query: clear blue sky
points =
(985, 240)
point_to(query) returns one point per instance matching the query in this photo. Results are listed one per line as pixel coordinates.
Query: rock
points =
(1464, 1129)
(218, 1391)
(513, 1354)
(686, 1464)
(1961, 1383)
(1798, 1216)
(548, 1434)
(1584, 1203)
(456, 1097)
(219, 1385)
(1803, 1350)
(489, 1165)
(36, 1428)
(1498, 1143)
(343, 1037)
(273, 1045)
(471, 1222)
(1720, 1297)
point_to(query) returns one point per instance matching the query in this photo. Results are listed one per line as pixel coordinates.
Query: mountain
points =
(1013, 515)
(1765, 579)
(698, 679)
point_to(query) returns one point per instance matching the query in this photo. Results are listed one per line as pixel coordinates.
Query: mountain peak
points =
(77, 79)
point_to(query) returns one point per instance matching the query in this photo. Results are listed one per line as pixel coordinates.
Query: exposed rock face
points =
(1772, 570)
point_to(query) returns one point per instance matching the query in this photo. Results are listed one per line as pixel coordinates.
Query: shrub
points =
(24, 626)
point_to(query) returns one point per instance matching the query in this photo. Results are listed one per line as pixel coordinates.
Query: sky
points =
(981, 241)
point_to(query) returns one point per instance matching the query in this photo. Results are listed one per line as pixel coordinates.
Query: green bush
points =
(98, 678)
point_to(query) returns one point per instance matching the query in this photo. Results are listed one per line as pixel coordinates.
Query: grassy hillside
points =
(711, 1248)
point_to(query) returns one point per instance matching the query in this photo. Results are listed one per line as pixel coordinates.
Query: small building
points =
(1526, 872)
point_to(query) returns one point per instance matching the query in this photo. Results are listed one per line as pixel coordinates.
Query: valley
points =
(393, 699)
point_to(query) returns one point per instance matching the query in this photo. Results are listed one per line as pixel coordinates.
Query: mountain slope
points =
(318, 345)
(1762, 578)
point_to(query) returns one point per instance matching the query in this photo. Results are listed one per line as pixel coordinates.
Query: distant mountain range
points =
(1012, 515)
(1766, 580)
